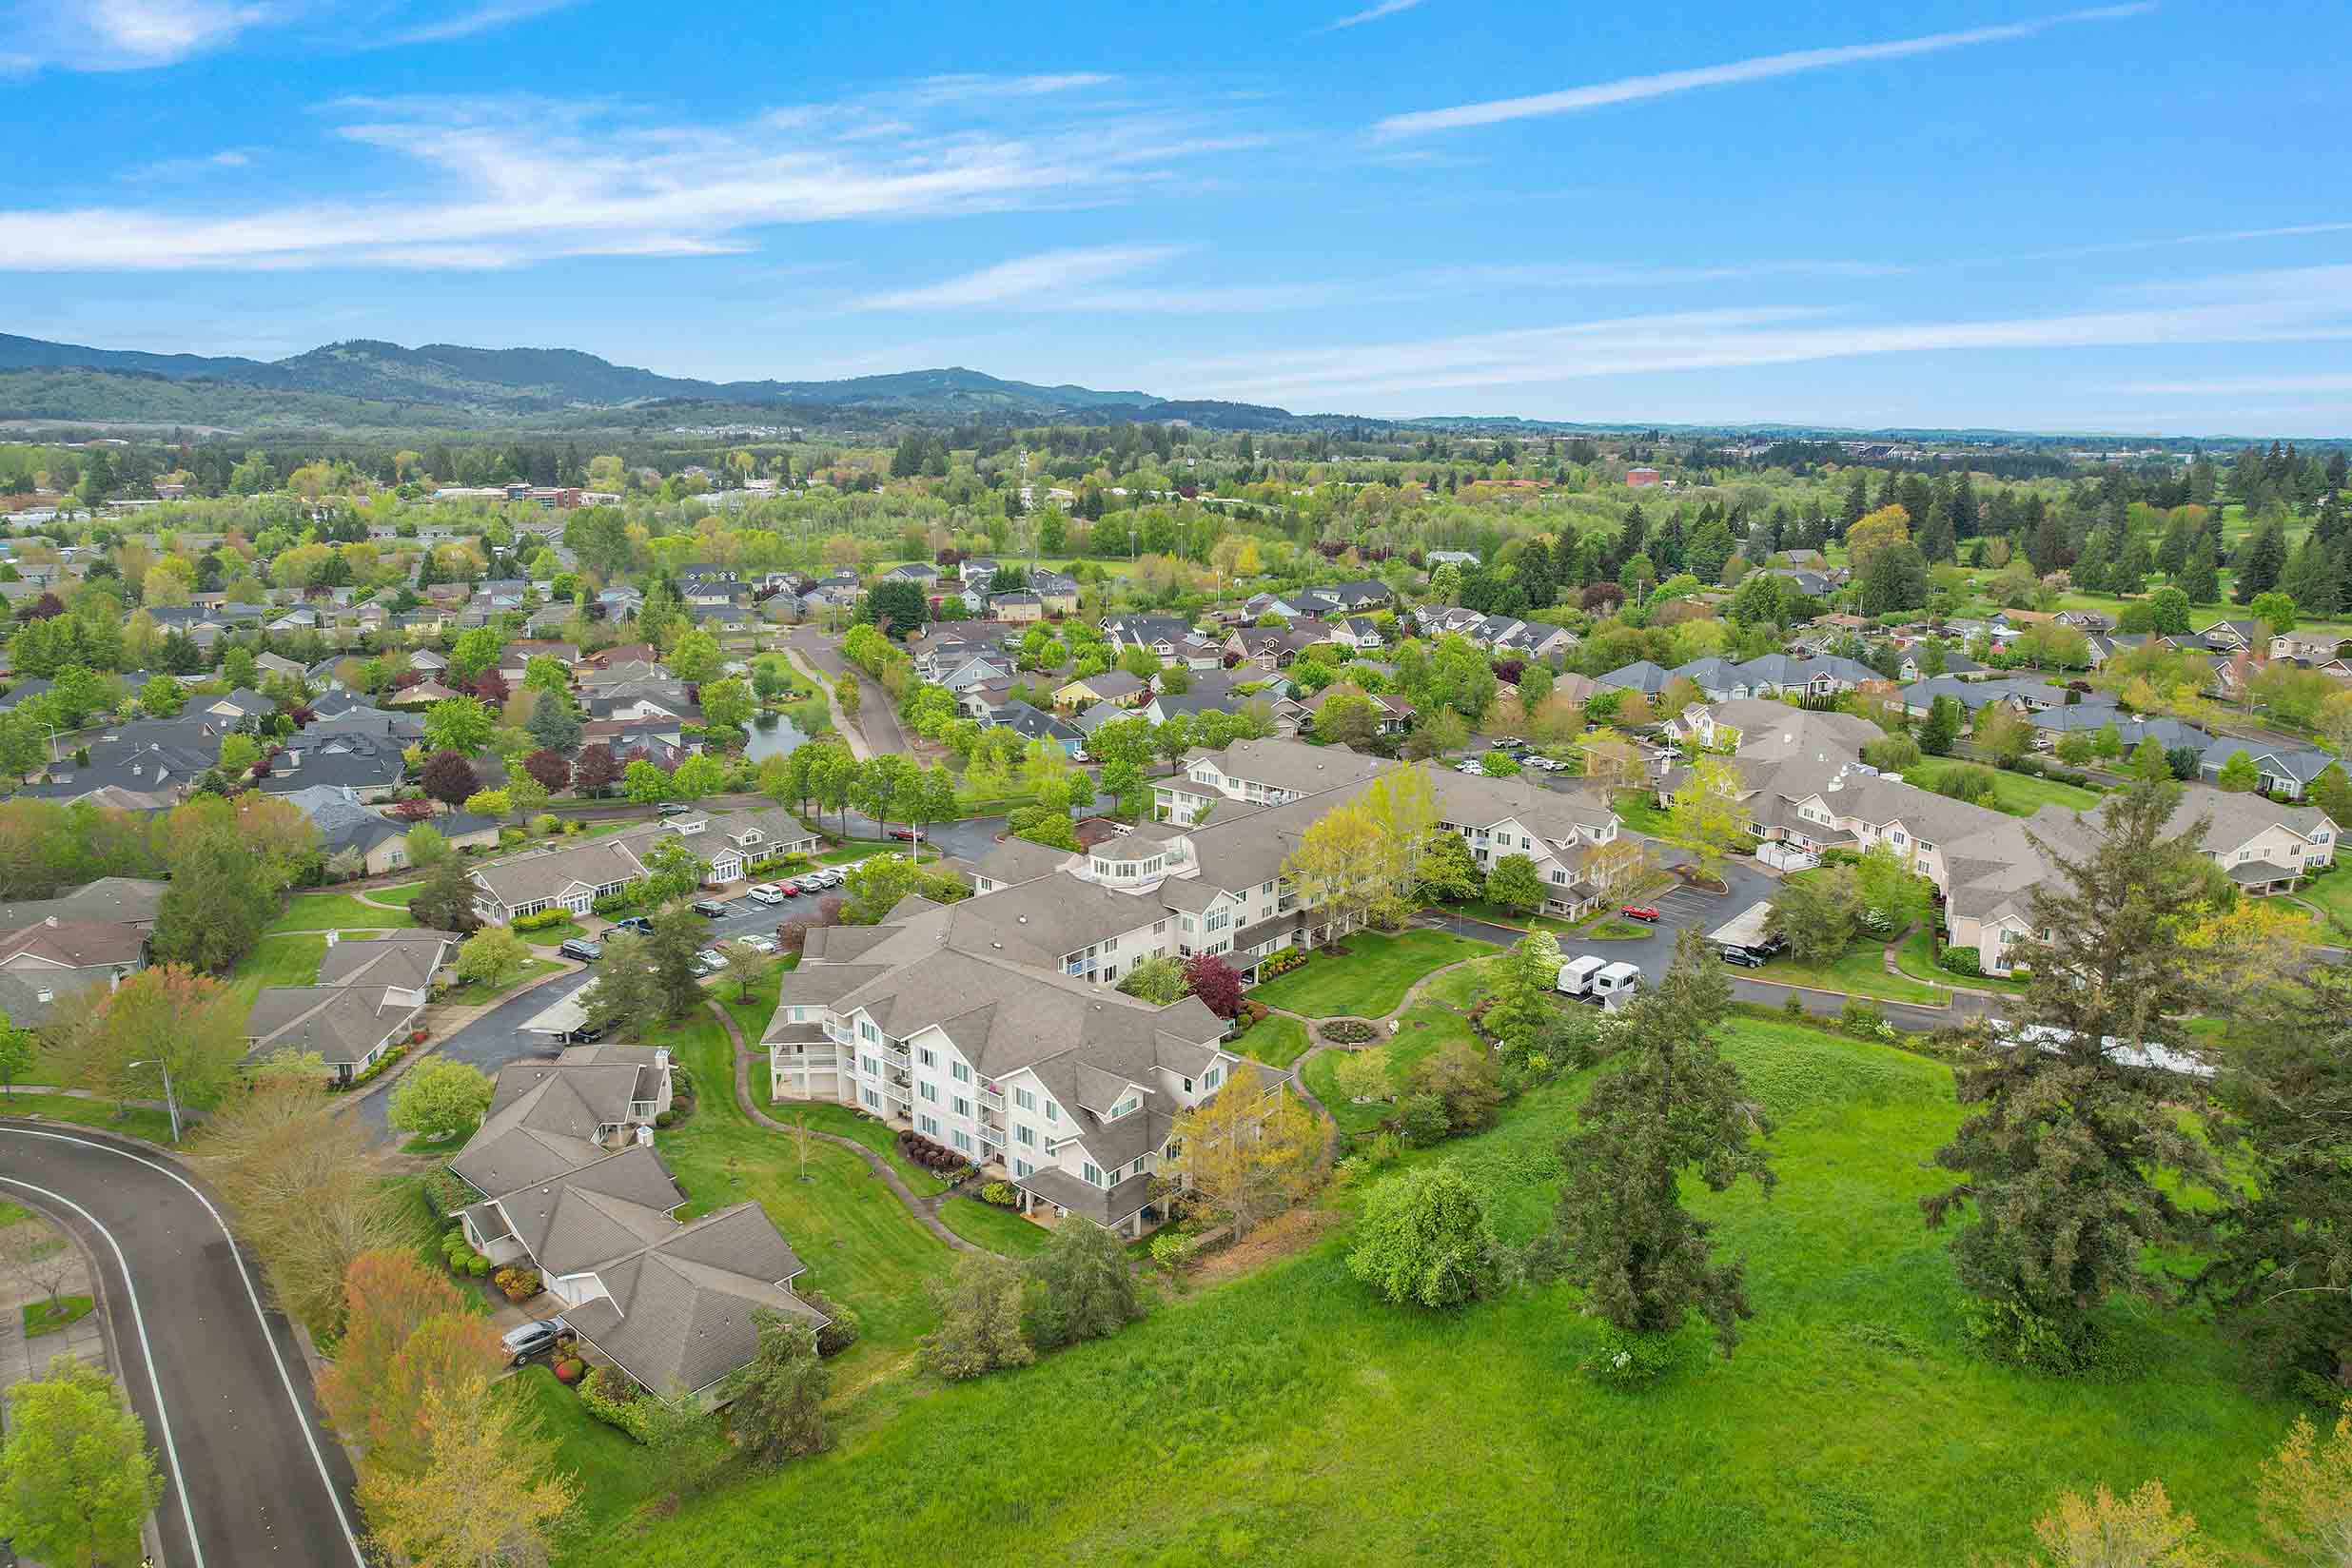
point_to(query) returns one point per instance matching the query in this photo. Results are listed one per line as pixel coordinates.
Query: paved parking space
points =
(1689, 907)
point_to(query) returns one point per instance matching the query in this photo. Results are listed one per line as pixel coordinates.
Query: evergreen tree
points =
(779, 1409)
(2310, 579)
(2200, 580)
(1671, 1104)
(2261, 561)
(554, 725)
(2069, 1160)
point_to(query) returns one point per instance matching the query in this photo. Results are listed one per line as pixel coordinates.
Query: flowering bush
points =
(539, 921)
(1349, 1032)
(517, 1284)
(568, 1373)
(1281, 962)
(1633, 1361)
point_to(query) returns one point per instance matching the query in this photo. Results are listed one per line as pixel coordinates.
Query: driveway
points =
(250, 1476)
(877, 716)
(490, 1042)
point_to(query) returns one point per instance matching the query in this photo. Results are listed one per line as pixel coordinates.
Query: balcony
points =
(897, 1050)
(992, 1097)
(897, 1092)
(992, 1136)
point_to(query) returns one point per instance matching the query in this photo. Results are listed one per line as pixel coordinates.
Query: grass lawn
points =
(467, 994)
(154, 1125)
(1464, 988)
(1478, 909)
(1612, 927)
(278, 961)
(845, 1122)
(2332, 896)
(998, 1229)
(565, 929)
(2020, 795)
(1860, 970)
(1371, 979)
(40, 1318)
(1471, 1437)
(1275, 1040)
(1639, 811)
(328, 910)
(437, 1146)
(1426, 1029)
(610, 1465)
(861, 1245)
(1916, 958)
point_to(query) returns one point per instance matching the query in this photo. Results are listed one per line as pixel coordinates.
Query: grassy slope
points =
(1371, 979)
(1276, 1041)
(1291, 1417)
(1861, 970)
(998, 1229)
(1424, 1029)
(154, 1125)
(319, 912)
(2020, 795)
(843, 1122)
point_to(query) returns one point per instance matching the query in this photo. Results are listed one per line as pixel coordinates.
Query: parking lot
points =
(1688, 907)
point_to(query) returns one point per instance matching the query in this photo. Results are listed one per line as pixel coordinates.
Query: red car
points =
(904, 834)
(1639, 912)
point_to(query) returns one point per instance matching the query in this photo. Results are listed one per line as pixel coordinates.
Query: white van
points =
(1576, 975)
(1616, 980)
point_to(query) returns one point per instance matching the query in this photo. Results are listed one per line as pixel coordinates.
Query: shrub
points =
(840, 1330)
(1281, 962)
(545, 824)
(613, 1397)
(1628, 1360)
(540, 921)
(1960, 960)
(1422, 1120)
(446, 1193)
(931, 1155)
(1794, 1004)
(1860, 1018)
(1003, 1194)
(477, 1265)
(1349, 1032)
(666, 1118)
(570, 1372)
(519, 1284)
(1172, 1249)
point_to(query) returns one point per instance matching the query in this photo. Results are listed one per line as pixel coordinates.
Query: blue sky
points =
(1962, 213)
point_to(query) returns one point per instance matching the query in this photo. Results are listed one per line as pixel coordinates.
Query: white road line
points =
(253, 1297)
(147, 1353)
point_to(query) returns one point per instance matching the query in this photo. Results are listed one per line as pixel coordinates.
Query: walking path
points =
(926, 1211)
(859, 750)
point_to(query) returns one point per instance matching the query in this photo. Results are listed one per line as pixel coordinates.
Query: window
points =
(927, 1057)
(1215, 1077)
(1092, 1174)
(961, 1106)
(1026, 1099)
(963, 1141)
(874, 1101)
(1188, 1085)
(1267, 889)
(1022, 1168)
(1025, 1136)
(1159, 928)
(1053, 1113)
(873, 1069)
(960, 1071)
(928, 1089)
(866, 1029)
(1123, 1108)
(928, 1124)
(1137, 1168)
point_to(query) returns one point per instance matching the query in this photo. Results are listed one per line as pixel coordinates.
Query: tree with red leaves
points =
(551, 772)
(491, 687)
(45, 607)
(595, 770)
(449, 779)
(1215, 982)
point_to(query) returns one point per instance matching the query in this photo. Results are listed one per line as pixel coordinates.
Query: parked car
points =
(768, 892)
(582, 948)
(1640, 912)
(791, 888)
(904, 834)
(531, 1339)
(587, 1034)
(763, 944)
(711, 908)
(671, 807)
(710, 960)
(1747, 958)
(637, 923)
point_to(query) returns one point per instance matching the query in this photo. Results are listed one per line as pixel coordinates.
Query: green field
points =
(1289, 1417)
(467, 994)
(1275, 1040)
(1916, 958)
(310, 911)
(843, 1122)
(1370, 979)
(2019, 795)
(997, 1229)
(1860, 970)
(1424, 1029)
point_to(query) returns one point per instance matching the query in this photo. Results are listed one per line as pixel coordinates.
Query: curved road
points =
(250, 1474)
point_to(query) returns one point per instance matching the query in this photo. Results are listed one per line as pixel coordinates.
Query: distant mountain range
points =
(40, 380)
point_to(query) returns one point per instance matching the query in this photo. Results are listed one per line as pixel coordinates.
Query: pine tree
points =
(1671, 1104)
(2067, 1162)
(2200, 580)
(2261, 561)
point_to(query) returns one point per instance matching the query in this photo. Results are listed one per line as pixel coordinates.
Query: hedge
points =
(540, 921)
(613, 1397)
(1281, 961)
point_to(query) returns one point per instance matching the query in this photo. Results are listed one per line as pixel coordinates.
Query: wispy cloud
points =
(521, 183)
(1372, 13)
(1023, 278)
(191, 168)
(2299, 305)
(1629, 89)
(2242, 386)
(498, 13)
(122, 34)
(1578, 275)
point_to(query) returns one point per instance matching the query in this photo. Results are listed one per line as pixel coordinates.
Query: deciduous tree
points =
(1248, 1151)
(779, 1408)
(487, 1492)
(1082, 1287)
(1424, 1239)
(442, 1096)
(75, 1474)
(979, 1330)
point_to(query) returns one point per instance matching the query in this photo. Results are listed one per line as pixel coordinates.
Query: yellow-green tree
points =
(1341, 866)
(486, 1492)
(1704, 815)
(1249, 1151)
(1403, 809)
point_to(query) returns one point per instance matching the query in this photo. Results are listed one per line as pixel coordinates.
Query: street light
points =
(169, 1103)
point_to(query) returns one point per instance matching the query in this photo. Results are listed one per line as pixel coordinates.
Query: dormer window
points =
(1123, 1108)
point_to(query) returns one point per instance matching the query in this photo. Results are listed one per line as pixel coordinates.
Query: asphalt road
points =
(1686, 906)
(877, 716)
(490, 1042)
(250, 1476)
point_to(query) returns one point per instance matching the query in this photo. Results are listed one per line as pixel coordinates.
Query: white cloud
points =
(1026, 278)
(1373, 13)
(2305, 304)
(124, 34)
(1633, 88)
(513, 184)
(1579, 275)
(482, 19)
